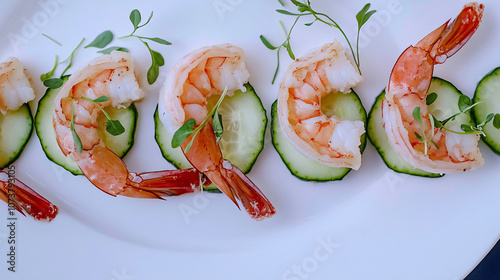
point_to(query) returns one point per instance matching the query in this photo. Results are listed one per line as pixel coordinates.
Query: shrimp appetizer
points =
(16, 123)
(205, 72)
(329, 140)
(108, 80)
(407, 89)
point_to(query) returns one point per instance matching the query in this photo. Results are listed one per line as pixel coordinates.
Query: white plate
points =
(376, 224)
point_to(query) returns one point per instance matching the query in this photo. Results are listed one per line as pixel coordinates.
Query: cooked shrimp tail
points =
(170, 182)
(145, 185)
(228, 178)
(450, 38)
(25, 200)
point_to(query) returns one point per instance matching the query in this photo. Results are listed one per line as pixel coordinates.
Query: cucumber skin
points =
(274, 126)
(250, 88)
(28, 137)
(381, 152)
(39, 133)
(494, 146)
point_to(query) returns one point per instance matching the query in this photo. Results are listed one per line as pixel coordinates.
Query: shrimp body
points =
(15, 87)
(197, 76)
(408, 85)
(326, 139)
(112, 76)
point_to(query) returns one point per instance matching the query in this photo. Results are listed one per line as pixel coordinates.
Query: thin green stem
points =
(198, 128)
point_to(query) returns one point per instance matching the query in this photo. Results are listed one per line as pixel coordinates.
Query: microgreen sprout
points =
(156, 58)
(188, 128)
(54, 83)
(76, 138)
(102, 40)
(52, 39)
(113, 127)
(305, 9)
(464, 105)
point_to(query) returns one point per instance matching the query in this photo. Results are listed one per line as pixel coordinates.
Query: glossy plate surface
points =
(374, 224)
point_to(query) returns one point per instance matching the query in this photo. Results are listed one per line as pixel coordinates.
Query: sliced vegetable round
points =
(445, 105)
(244, 120)
(120, 144)
(15, 131)
(346, 106)
(488, 94)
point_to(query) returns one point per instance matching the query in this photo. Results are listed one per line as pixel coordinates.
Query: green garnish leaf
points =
(435, 145)
(463, 103)
(437, 123)
(266, 43)
(110, 49)
(114, 127)
(135, 18)
(102, 40)
(466, 128)
(487, 120)
(157, 58)
(289, 50)
(183, 132)
(53, 83)
(285, 12)
(417, 116)
(76, 138)
(147, 21)
(496, 121)
(49, 74)
(364, 15)
(305, 9)
(431, 98)
(281, 2)
(153, 73)
(101, 99)
(217, 125)
(419, 137)
(187, 128)
(157, 40)
(70, 58)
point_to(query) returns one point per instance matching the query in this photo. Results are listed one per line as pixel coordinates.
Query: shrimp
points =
(15, 87)
(408, 84)
(328, 140)
(15, 90)
(112, 76)
(200, 74)
(22, 198)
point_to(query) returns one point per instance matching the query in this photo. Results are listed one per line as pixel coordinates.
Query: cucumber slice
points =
(445, 105)
(120, 144)
(487, 93)
(244, 120)
(346, 106)
(15, 131)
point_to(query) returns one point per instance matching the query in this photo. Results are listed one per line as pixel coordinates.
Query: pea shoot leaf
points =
(183, 132)
(102, 40)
